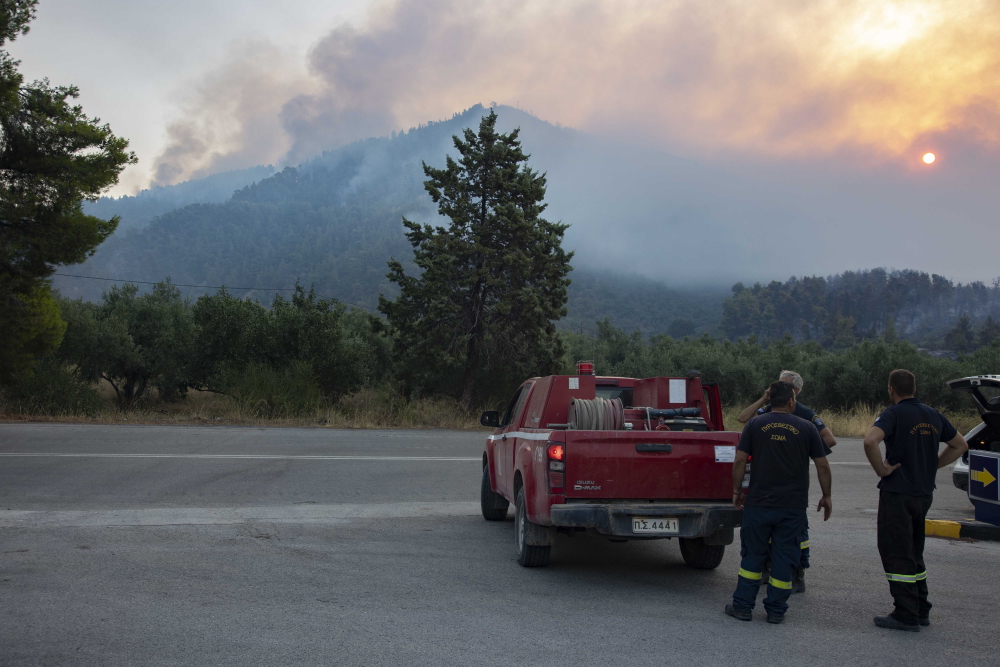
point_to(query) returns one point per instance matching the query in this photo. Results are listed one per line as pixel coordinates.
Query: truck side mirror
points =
(490, 418)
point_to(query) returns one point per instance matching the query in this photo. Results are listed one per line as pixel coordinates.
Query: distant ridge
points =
(334, 221)
(138, 210)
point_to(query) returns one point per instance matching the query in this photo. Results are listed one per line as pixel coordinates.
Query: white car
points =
(985, 392)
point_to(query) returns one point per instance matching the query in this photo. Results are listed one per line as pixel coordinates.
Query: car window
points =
(992, 396)
(521, 402)
(513, 412)
(508, 413)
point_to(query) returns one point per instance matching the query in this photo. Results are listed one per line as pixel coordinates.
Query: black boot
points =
(799, 580)
(894, 623)
(738, 612)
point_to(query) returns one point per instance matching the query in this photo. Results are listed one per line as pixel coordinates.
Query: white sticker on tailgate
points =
(725, 453)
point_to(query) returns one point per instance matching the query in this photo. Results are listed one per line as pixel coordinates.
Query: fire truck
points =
(627, 458)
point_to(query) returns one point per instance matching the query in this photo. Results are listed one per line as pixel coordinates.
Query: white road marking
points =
(180, 516)
(292, 457)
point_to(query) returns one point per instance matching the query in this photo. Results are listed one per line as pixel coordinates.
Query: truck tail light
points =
(556, 474)
(557, 482)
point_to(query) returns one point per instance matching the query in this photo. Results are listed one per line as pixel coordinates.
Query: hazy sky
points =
(822, 109)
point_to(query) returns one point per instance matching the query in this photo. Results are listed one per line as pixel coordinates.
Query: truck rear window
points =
(624, 393)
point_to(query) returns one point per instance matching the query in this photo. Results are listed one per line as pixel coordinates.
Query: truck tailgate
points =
(650, 465)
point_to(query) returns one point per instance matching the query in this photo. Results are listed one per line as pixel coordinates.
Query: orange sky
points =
(883, 80)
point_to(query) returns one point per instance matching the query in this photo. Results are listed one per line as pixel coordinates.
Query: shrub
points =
(260, 390)
(52, 389)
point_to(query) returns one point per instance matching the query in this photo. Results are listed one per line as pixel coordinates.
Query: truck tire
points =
(527, 555)
(699, 555)
(493, 504)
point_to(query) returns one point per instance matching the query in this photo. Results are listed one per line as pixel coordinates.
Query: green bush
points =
(52, 389)
(842, 379)
(260, 390)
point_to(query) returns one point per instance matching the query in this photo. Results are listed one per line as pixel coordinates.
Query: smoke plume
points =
(876, 79)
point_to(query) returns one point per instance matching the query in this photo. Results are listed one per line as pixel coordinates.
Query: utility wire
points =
(264, 289)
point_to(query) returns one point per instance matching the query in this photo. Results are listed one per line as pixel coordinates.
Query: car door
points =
(507, 444)
(985, 393)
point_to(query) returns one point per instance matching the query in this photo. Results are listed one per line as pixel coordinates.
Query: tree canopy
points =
(492, 283)
(52, 158)
(856, 305)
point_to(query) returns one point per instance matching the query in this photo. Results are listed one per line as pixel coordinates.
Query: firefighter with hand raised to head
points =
(774, 510)
(762, 407)
(912, 433)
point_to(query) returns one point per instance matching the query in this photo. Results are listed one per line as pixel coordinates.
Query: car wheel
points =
(699, 555)
(527, 555)
(494, 505)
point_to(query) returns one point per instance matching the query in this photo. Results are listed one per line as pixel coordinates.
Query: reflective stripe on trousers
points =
(906, 578)
(778, 583)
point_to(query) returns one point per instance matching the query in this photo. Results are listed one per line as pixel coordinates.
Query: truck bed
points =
(648, 465)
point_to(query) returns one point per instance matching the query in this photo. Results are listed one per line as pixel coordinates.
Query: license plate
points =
(664, 526)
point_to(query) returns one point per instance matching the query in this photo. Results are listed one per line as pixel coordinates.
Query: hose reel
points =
(598, 414)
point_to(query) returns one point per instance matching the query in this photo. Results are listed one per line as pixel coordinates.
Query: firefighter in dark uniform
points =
(774, 510)
(912, 433)
(762, 407)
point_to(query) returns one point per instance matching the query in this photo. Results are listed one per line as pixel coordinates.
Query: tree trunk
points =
(475, 347)
(472, 356)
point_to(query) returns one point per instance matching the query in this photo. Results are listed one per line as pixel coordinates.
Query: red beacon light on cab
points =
(585, 368)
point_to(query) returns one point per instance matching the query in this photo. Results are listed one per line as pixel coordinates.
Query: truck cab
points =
(622, 457)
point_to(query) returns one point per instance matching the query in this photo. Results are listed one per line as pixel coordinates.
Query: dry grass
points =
(376, 408)
(367, 409)
(856, 422)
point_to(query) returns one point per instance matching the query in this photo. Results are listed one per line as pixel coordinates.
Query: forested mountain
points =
(334, 221)
(844, 308)
(138, 210)
(635, 303)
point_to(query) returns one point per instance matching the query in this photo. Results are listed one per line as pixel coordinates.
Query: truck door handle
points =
(504, 438)
(653, 447)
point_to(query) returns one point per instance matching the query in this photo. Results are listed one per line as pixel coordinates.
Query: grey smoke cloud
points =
(767, 78)
(231, 119)
(805, 121)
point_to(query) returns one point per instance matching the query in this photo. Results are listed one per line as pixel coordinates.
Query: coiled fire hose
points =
(599, 414)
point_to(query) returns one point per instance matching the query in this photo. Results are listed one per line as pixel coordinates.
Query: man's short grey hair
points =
(792, 378)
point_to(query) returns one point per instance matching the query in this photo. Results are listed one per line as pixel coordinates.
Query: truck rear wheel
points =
(494, 505)
(699, 555)
(527, 555)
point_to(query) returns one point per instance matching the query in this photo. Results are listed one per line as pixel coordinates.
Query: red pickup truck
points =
(623, 457)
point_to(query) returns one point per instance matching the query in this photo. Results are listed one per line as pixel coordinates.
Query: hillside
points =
(137, 211)
(334, 221)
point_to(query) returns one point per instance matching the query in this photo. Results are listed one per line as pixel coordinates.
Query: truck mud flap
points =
(715, 522)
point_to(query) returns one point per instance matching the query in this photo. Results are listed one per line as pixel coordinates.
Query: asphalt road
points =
(147, 545)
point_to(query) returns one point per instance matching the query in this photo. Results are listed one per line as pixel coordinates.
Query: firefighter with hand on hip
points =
(912, 433)
(774, 510)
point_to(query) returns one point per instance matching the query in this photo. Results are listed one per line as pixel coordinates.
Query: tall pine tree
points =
(52, 157)
(989, 332)
(492, 282)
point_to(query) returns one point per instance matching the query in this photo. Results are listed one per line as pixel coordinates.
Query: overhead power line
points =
(228, 287)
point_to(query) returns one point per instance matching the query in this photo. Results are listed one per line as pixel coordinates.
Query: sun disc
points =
(929, 158)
